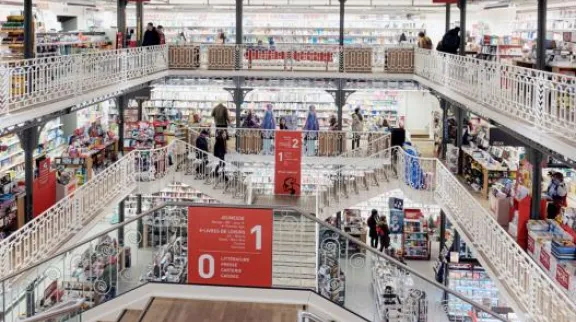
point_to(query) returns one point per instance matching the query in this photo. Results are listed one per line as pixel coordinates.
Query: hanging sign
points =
(288, 163)
(230, 246)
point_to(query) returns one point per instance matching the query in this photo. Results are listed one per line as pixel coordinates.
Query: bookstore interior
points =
(72, 149)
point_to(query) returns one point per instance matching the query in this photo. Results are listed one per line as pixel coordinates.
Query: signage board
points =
(230, 246)
(288, 163)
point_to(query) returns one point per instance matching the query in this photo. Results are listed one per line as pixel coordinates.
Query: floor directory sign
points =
(230, 246)
(288, 163)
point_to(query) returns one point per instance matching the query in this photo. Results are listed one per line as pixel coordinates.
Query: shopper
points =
(151, 36)
(311, 128)
(385, 126)
(250, 120)
(202, 152)
(220, 152)
(372, 231)
(450, 43)
(268, 128)
(162, 37)
(109, 278)
(220, 115)
(357, 127)
(424, 41)
(383, 233)
(283, 125)
(333, 123)
(556, 195)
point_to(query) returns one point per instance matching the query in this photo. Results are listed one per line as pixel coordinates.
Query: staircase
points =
(294, 251)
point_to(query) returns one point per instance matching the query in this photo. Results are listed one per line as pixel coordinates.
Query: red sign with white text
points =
(545, 259)
(230, 246)
(288, 163)
(562, 276)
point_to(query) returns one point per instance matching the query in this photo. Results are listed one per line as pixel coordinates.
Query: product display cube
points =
(357, 60)
(221, 57)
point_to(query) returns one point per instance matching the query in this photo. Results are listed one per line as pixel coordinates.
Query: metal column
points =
(140, 112)
(541, 34)
(341, 35)
(29, 142)
(462, 27)
(139, 22)
(140, 223)
(536, 162)
(459, 135)
(121, 217)
(121, 16)
(239, 22)
(121, 105)
(444, 143)
(442, 230)
(28, 30)
(447, 17)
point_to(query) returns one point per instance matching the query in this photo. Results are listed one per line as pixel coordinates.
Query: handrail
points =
(57, 311)
(301, 212)
(305, 316)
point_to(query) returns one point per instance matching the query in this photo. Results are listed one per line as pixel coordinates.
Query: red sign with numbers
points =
(230, 246)
(288, 163)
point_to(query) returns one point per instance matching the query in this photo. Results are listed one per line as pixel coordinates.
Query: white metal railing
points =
(24, 83)
(47, 232)
(304, 316)
(315, 143)
(542, 99)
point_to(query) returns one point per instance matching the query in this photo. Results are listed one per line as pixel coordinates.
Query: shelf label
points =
(288, 163)
(230, 246)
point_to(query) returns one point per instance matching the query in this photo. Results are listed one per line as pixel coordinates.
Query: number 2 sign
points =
(230, 246)
(287, 165)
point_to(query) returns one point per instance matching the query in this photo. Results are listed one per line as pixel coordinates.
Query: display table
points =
(287, 56)
(491, 171)
(566, 68)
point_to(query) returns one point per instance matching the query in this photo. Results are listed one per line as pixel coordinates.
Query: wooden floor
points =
(130, 316)
(173, 310)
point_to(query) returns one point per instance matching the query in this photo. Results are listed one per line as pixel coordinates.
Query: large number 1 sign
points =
(230, 246)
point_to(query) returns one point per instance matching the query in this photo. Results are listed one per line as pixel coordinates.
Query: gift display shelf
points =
(180, 103)
(415, 237)
(472, 281)
(70, 43)
(299, 28)
(558, 22)
(172, 193)
(51, 144)
(89, 163)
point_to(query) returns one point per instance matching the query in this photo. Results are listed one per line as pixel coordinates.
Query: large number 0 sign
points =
(288, 163)
(230, 246)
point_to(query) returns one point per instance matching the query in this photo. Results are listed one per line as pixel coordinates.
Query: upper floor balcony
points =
(538, 105)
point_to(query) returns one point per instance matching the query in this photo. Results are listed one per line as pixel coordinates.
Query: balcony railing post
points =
(4, 88)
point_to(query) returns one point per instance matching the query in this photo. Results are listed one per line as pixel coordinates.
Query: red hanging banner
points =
(230, 246)
(288, 163)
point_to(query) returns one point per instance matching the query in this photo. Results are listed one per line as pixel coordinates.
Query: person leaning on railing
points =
(311, 127)
(268, 126)
(357, 127)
